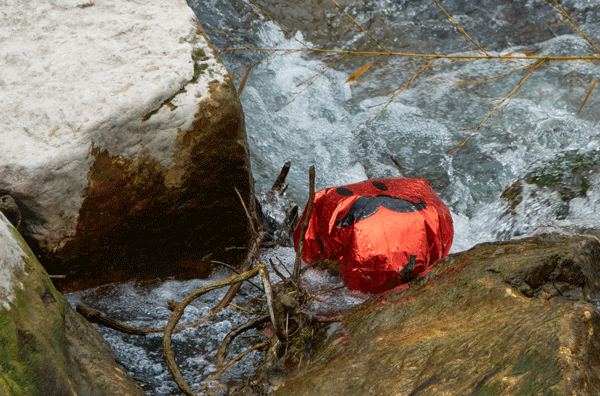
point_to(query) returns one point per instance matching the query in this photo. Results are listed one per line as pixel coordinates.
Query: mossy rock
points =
(567, 174)
(45, 347)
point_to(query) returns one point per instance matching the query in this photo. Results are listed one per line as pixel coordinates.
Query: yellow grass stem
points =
(564, 13)
(495, 78)
(460, 29)
(508, 97)
(417, 55)
(361, 28)
(231, 36)
(587, 96)
(311, 83)
(278, 25)
(403, 88)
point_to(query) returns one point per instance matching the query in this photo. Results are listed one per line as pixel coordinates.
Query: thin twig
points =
(279, 274)
(255, 233)
(564, 13)
(284, 267)
(237, 272)
(454, 149)
(417, 55)
(304, 227)
(231, 363)
(264, 274)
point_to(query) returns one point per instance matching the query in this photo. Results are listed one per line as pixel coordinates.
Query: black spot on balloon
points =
(380, 185)
(344, 191)
(365, 207)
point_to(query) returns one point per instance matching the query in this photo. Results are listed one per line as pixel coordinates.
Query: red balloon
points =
(381, 230)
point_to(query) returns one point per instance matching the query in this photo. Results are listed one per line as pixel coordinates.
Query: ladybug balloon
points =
(381, 230)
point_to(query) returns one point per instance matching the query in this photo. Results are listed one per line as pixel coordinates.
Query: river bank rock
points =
(46, 348)
(122, 139)
(505, 318)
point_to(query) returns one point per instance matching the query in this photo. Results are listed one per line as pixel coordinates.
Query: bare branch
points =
(178, 312)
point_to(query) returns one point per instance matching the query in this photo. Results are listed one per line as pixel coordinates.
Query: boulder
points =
(122, 139)
(507, 318)
(46, 348)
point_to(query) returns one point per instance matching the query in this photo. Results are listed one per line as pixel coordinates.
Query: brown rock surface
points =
(488, 321)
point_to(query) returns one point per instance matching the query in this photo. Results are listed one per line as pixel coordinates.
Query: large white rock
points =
(93, 94)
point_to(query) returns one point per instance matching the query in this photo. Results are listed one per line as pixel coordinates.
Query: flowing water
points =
(535, 170)
(540, 145)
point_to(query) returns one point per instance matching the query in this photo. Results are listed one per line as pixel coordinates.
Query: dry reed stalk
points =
(588, 95)
(311, 83)
(410, 80)
(460, 29)
(358, 24)
(508, 97)
(528, 56)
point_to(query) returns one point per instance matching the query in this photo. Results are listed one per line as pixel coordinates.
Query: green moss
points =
(492, 389)
(198, 69)
(32, 344)
(566, 174)
(539, 372)
(165, 103)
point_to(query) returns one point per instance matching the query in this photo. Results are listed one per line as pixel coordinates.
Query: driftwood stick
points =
(222, 352)
(233, 289)
(255, 233)
(229, 267)
(281, 178)
(311, 198)
(98, 317)
(168, 353)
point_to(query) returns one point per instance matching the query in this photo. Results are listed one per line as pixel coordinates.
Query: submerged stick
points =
(231, 363)
(311, 199)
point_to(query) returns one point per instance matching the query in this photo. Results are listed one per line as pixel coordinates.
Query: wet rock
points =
(45, 347)
(123, 139)
(502, 318)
